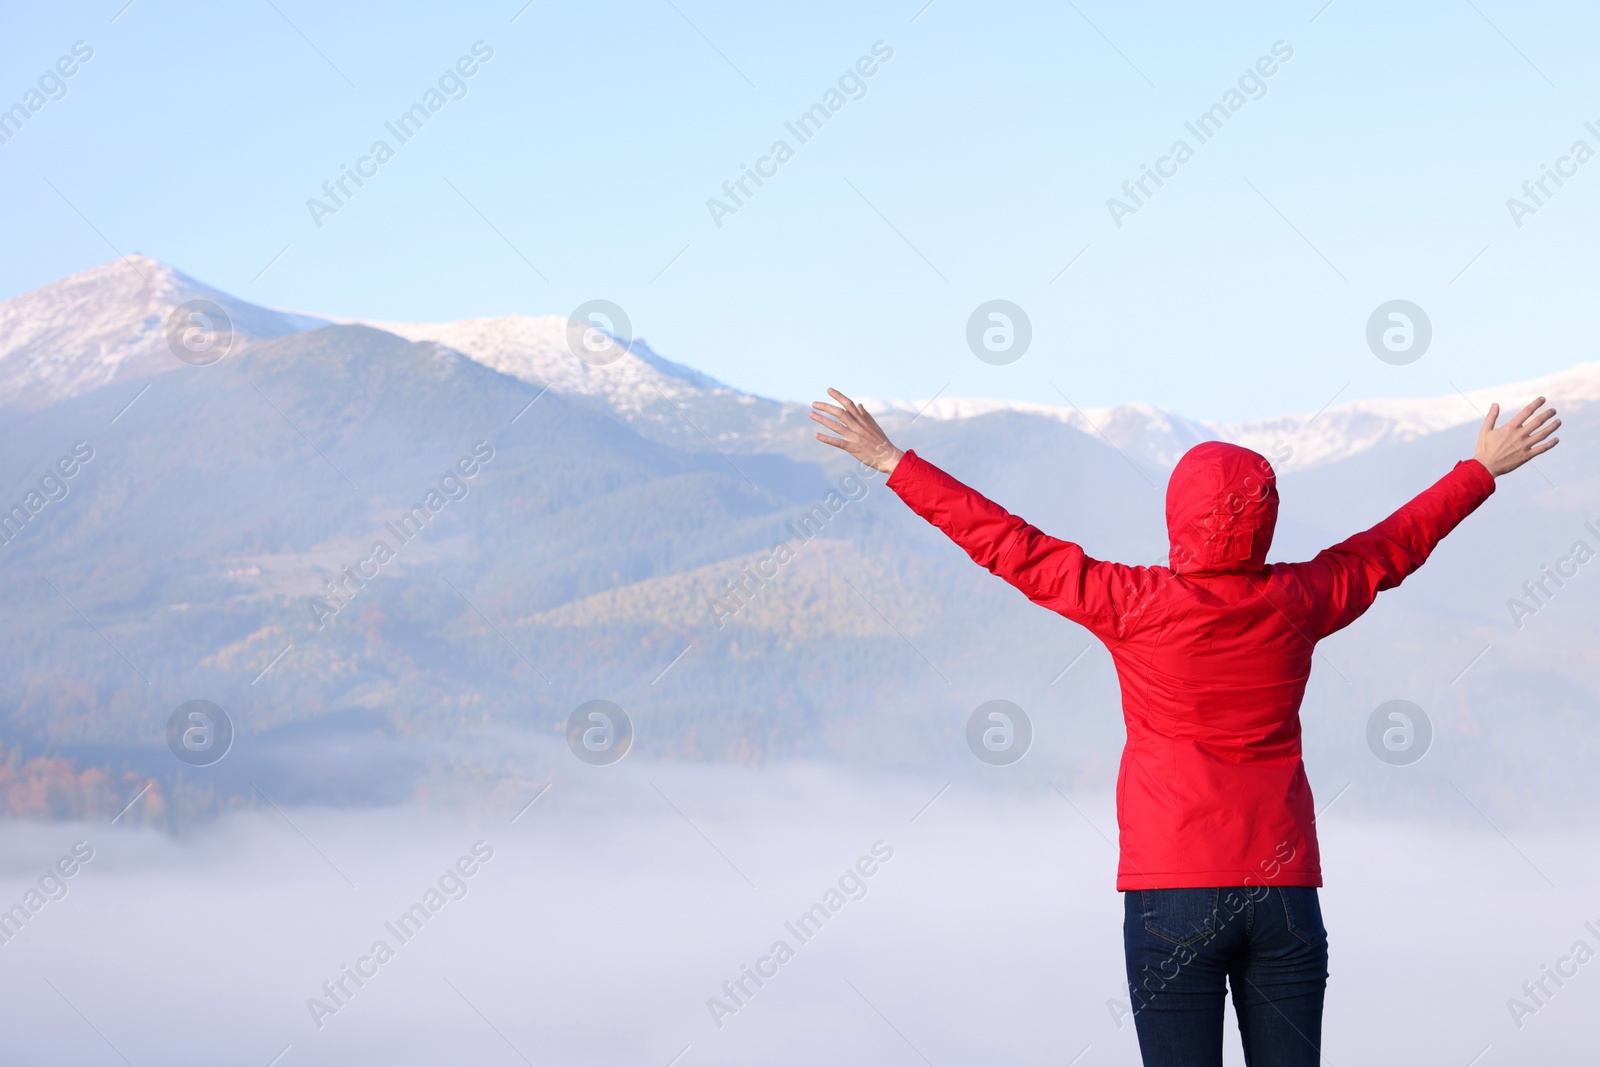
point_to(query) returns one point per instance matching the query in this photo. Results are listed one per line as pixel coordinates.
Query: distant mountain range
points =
(107, 324)
(596, 552)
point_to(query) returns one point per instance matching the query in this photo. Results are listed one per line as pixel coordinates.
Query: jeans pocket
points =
(1181, 916)
(1302, 912)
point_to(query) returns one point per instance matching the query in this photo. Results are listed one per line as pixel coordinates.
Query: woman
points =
(1219, 861)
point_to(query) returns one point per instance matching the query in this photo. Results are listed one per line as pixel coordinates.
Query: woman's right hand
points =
(1525, 435)
(858, 432)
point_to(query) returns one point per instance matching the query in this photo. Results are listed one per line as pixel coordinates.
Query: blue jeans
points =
(1185, 947)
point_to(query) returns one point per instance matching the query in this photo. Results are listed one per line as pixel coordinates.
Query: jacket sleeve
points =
(1348, 577)
(1050, 572)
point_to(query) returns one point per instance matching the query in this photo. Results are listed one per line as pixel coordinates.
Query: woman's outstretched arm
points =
(1055, 574)
(1350, 575)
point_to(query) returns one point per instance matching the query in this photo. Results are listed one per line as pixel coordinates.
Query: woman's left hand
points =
(858, 432)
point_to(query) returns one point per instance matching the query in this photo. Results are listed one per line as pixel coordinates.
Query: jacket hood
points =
(1222, 506)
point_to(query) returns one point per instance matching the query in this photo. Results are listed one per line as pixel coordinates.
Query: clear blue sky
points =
(977, 165)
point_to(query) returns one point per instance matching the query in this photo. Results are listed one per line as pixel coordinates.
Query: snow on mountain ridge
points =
(1359, 425)
(534, 349)
(1293, 442)
(75, 334)
(106, 323)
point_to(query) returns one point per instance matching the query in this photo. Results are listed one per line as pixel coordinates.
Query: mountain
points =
(642, 533)
(109, 324)
(675, 404)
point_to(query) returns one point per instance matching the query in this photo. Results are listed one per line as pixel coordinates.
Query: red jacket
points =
(1212, 652)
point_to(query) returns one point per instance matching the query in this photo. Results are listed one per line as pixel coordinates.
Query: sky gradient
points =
(975, 163)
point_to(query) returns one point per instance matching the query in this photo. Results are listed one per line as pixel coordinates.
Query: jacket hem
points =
(1132, 880)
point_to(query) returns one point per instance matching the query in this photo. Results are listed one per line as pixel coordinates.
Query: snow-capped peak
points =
(108, 323)
(1343, 430)
(537, 349)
